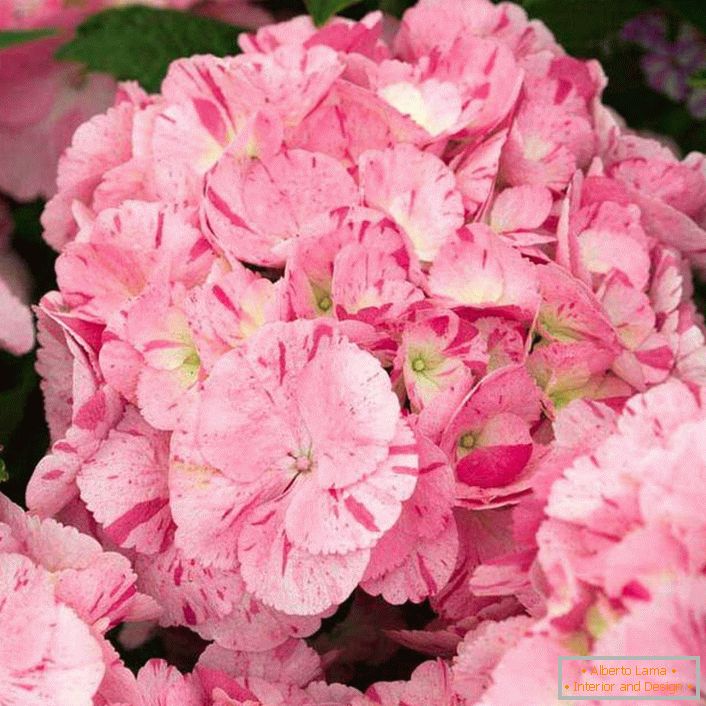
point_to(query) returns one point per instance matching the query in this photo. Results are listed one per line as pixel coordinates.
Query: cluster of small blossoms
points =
(43, 101)
(407, 316)
(60, 592)
(670, 67)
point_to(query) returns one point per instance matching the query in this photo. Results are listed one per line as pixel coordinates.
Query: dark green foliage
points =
(138, 43)
(698, 80)
(582, 25)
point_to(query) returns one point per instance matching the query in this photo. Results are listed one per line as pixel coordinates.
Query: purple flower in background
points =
(669, 66)
(648, 30)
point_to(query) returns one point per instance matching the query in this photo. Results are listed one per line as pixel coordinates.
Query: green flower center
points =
(192, 360)
(419, 364)
(467, 441)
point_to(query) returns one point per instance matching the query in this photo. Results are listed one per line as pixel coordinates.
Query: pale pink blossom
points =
(488, 440)
(426, 530)
(43, 101)
(439, 351)
(431, 682)
(631, 489)
(60, 594)
(477, 269)
(98, 147)
(254, 210)
(417, 191)
(468, 89)
(481, 650)
(48, 654)
(17, 335)
(436, 24)
(103, 271)
(81, 410)
(360, 271)
(483, 536)
(476, 171)
(520, 211)
(124, 485)
(348, 471)
(214, 603)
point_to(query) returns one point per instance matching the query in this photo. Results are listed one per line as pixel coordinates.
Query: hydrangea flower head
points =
(379, 309)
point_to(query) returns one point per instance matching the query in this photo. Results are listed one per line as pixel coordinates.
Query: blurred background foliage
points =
(657, 83)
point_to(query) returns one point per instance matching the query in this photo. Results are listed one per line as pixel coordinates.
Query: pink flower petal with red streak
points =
(124, 485)
(253, 210)
(417, 191)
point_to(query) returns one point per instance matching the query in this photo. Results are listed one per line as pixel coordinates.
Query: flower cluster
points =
(617, 543)
(403, 316)
(59, 594)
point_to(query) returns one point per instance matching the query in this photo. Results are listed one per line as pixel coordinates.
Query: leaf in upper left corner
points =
(11, 37)
(138, 43)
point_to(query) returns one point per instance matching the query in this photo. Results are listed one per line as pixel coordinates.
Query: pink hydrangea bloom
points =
(488, 439)
(417, 191)
(426, 532)
(501, 280)
(310, 188)
(431, 682)
(60, 592)
(322, 483)
(49, 654)
(609, 499)
(659, 507)
(399, 311)
(275, 678)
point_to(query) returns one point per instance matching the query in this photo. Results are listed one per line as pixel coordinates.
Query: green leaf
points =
(322, 10)
(138, 43)
(582, 25)
(698, 80)
(9, 38)
(4, 475)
